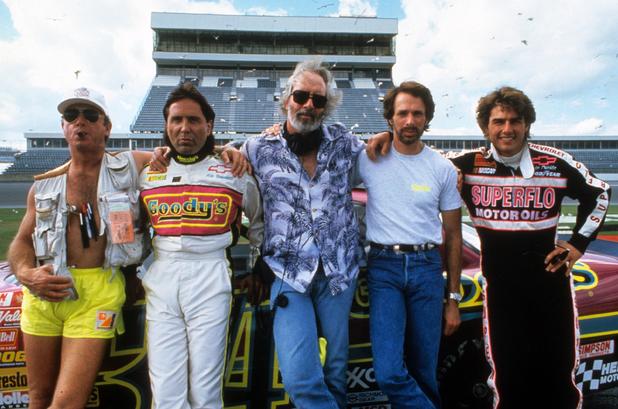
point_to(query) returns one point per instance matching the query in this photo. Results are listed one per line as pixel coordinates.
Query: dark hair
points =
(506, 97)
(189, 91)
(415, 89)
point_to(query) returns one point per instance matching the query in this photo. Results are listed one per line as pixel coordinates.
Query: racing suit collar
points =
(525, 161)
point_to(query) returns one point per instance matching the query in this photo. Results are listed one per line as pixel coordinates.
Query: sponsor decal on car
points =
(8, 339)
(6, 299)
(12, 358)
(597, 374)
(10, 317)
(93, 399)
(367, 397)
(12, 379)
(361, 377)
(15, 399)
(596, 349)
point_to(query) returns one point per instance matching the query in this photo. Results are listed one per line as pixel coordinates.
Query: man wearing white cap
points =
(80, 226)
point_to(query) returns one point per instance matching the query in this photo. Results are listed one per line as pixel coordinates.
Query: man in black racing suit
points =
(513, 192)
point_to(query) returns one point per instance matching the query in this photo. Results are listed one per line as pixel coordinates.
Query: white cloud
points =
(461, 50)
(262, 11)
(356, 8)
(587, 126)
(109, 42)
(566, 51)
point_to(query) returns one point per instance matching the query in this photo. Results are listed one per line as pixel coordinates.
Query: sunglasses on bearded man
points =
(300, 97)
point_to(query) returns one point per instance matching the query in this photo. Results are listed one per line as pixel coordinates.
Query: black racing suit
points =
(530, 318)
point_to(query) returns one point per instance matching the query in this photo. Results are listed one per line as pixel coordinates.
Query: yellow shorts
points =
(97, 313)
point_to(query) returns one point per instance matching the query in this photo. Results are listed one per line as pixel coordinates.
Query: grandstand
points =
(242, 63)
(7, 154)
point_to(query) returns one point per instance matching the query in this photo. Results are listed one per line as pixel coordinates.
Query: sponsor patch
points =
(547, 174)
(485, 171)
(481, 162)
(8, 339)
(220, 168)
(596, 349)
(156, 177)
(544, 160)
(106, 320)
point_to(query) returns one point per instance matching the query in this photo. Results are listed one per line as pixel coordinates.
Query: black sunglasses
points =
(90, 114)
(300, 97)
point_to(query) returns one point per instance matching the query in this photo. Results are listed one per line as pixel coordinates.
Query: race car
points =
(252, 379)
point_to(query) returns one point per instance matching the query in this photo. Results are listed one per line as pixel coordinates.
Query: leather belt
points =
(404, 248)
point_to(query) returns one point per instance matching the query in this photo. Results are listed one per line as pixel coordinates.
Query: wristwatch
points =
(455, 296)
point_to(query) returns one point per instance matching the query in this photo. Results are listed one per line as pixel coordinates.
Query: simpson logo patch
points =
(106, 320)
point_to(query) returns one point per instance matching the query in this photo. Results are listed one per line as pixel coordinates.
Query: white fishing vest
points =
(118, 181)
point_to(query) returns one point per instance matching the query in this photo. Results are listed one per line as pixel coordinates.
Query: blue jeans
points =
(296, 339)
(405, 305)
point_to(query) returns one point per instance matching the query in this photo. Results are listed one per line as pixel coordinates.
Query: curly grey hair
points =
(333, 96)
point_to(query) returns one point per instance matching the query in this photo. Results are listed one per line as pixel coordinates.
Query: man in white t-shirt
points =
(408, 190)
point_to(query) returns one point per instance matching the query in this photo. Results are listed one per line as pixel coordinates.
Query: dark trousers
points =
(530, 326)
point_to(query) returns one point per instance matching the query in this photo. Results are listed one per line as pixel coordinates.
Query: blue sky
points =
(562, 53)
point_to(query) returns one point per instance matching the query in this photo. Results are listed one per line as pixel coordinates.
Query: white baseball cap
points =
(84, 95)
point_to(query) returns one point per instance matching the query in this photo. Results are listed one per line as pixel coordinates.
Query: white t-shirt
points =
(405, 195)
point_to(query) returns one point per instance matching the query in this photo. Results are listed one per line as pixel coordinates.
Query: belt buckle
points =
(397, 249)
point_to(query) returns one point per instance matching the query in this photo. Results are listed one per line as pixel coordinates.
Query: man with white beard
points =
(311, 239)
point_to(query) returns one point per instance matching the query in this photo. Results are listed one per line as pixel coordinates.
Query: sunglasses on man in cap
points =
(71, 114)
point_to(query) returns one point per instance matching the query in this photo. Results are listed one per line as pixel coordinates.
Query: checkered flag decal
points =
(587, 381)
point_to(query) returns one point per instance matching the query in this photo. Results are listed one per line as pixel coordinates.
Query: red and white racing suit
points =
(192, 208)
(530, 318)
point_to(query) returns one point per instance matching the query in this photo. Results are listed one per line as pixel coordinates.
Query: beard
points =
(303, 125)
(409, 135)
